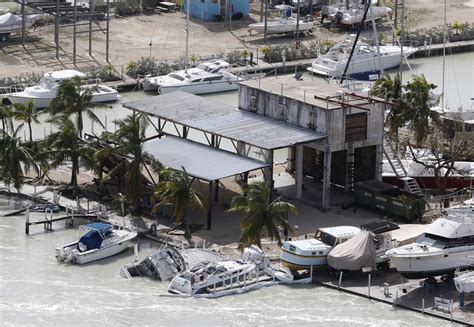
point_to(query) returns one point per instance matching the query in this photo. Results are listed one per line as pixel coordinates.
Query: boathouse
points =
(212, 10)
(352, 149)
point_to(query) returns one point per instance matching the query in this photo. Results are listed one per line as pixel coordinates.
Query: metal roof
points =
(199, 160)
(223, 120)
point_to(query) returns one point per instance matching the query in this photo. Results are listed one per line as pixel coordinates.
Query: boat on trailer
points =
(98, 241)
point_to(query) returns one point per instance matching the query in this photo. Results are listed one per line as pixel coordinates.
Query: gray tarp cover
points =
(354, 254)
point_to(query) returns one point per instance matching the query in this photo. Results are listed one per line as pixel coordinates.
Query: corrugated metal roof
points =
(223, 120)
(199, 160)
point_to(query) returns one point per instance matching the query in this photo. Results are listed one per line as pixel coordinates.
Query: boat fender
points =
(153, 229)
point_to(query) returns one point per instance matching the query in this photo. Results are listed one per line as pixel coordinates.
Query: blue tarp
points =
(92, 239)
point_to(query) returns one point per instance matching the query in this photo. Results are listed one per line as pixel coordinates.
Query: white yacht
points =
(465, 282)
(98, 241)
(363, 62)
(284, 25)
(445, 244)
(302, 254)
(215, 279)
(10, 23)
(152, 83)
(43, 93)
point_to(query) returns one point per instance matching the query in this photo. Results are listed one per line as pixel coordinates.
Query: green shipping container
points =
(389, 199)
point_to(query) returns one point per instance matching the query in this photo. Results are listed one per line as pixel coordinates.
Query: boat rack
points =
(64, 12)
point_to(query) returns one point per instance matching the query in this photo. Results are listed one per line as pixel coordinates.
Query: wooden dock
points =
(390, 288)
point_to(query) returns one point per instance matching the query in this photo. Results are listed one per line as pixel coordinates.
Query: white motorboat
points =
(465, 282)
(43, 93)
(10, 23)
(286, 276)
(151, 83)
(353, 16)
(445, 244)
(197, 81)
(284, 25)
(364, 60)
(98, 241)
(215, 279)
(313, 252)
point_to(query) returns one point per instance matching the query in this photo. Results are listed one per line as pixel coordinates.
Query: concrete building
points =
(353, 125)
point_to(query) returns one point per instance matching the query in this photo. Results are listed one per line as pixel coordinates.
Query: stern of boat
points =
(180, 286)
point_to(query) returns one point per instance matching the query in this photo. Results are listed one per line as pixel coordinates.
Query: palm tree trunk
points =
(75, 170)
(187, 230)
(31, 133)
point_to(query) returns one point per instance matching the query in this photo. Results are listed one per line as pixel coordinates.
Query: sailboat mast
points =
(376, 38)
(402, 26)
(444, 57)
(187, 37)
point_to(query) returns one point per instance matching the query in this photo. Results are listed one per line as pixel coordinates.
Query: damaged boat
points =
(168, 262)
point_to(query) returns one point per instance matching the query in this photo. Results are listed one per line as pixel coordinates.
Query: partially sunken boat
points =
(168, 262)
(215, 279)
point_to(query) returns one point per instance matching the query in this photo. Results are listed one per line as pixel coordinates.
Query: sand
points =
(130, 38)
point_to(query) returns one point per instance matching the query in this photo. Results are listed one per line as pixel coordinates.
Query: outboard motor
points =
(338, 18)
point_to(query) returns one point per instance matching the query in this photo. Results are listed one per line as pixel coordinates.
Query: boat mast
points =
(444, 57)
(402, 26)
(376, 38)
(187, 37)
(355, 41)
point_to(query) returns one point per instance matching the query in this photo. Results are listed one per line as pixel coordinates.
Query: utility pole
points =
(266, 21)
(297, 19)
(444, 56)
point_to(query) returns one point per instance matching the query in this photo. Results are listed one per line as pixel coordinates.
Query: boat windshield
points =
(443, 242)
(325, 238)
(176, 76)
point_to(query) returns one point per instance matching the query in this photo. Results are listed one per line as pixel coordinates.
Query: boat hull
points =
(201, 88)
(424, 266)
(298, 262)
(104, 94)
(276, 28)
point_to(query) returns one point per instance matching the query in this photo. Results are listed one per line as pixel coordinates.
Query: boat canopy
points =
(381, 226)
(99, 226)
(64, 74)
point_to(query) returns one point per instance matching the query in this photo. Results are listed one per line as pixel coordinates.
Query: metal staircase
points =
(411, 184)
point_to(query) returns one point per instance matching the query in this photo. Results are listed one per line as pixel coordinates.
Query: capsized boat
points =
(166, 263)
(98, 241)
(444, 246)
(364, 61)
(217, 66)
(284, 25)
(215, 279)
(43, 93)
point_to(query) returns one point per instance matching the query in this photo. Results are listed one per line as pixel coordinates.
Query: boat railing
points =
(5, 90)
(92, 81)
(456, 197)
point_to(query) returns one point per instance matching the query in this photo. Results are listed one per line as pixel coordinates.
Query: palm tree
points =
(16, 158)
(130, 137)
(260, 213)
(66, 145)
(175, 190)
(5, 116)
(26, 113)
(392, 90)
(72, 99)
(419, 102)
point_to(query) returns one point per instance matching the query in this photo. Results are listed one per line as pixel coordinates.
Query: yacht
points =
(98, 241)
(465, 282)
(285, 24)
(302, 254)
(445, 244)
(151, 83)
(215, 279)
(364, 61)
(10, 23)
(43, 93)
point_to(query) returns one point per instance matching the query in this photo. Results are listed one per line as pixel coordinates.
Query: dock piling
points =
(135, 251)
(368, 286)
(27, 223)
(423, 305)
(340, 280)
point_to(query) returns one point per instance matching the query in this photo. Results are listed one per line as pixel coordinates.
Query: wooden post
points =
(423, 305)
(368, 288)
(340, 280)
(27, 223)
(209, 208)
(216, 191)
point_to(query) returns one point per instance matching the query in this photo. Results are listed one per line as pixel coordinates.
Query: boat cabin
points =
(335, 235)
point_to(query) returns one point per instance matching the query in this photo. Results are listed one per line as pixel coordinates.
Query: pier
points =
(440, 301)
